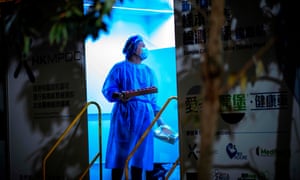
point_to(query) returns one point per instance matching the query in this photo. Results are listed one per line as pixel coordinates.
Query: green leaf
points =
(52, 33)
(26, 47)
(77, 11)
(108, 6)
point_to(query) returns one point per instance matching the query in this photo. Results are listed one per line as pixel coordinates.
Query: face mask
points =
(144, 53)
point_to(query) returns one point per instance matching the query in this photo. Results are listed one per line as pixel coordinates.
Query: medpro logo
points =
(265, 152)
(233, 153)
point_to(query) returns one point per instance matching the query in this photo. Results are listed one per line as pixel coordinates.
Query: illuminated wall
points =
(154, 20)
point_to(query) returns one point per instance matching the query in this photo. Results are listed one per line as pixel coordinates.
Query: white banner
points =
(46, 90)
(256, 133)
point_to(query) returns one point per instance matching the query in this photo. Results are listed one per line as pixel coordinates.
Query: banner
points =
(46, 90)
(256, 133)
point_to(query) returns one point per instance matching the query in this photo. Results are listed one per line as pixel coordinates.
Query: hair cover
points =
(131, 45)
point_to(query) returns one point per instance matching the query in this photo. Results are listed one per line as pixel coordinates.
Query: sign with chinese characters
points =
(255, 137)
(46, 91)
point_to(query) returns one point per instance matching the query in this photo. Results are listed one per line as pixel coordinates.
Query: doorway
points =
(155, 22)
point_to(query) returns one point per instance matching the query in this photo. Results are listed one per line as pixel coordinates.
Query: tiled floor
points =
(95, 173)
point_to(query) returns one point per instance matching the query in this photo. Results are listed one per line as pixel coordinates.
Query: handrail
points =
(68, 129)
(172, 169)
(90, 165)
(98, 154)
(145, 134)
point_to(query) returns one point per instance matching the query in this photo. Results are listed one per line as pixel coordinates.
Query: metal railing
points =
(76, 119)
(145, 134)
(172, 169)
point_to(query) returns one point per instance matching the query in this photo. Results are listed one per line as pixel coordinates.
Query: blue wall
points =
(155, 22)
(163, 63)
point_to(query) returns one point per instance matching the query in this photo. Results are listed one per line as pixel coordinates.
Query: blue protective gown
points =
(130, 119)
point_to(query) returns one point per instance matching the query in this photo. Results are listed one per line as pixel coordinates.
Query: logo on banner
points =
(56, 58)
(186, 6)
(247, 176)
(265, 152)
(219, 175)
(193, 151)
(193, 102)
(233, 152)
(269, 100)
(233, 107)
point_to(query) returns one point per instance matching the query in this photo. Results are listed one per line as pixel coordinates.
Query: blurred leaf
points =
(243, 82)
(68, 14)
(77, 11)
(231, 80)
(26, 47)
(52, 33)
(98, 6)
(63, 21)
(108, 6)
(259, 70)
(9, 21)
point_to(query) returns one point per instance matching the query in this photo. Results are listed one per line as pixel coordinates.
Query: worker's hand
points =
(120, 96)
(160, 122)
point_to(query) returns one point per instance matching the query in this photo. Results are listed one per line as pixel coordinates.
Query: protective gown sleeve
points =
(110, 84)
(155, 106)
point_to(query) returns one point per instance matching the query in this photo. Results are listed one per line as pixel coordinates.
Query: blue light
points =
(154, 20)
